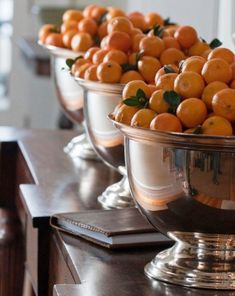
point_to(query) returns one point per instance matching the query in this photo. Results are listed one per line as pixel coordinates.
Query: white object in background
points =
(226, 30)
(201, 14)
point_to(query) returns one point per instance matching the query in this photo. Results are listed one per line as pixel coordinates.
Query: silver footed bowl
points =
(185, 186)
(70, 98)
(99, 100)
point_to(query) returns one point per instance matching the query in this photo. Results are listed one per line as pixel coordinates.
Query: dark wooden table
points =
(43, 180)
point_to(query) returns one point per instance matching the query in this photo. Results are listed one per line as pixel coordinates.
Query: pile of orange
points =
(199, 98)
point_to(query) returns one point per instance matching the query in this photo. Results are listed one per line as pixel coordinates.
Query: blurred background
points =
(27, 96)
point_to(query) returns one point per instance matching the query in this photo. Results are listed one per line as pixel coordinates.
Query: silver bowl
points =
(185, 186)
(70, 98)
(99, 100)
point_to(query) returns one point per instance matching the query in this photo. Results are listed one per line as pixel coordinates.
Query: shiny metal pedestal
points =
(117, 196)
(81, 147)
(196, 260)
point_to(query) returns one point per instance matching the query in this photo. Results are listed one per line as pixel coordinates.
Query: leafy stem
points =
(173, 99)
(70, 62)
(139, 100)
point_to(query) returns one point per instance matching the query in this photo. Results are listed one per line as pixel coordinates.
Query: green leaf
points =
(173, 99)
(158, 31)
(168, 22)
(132, 101)
(168, 69)
(128, 67)
(140, 94)
(215, 43)
(70, 62)
(198, 130)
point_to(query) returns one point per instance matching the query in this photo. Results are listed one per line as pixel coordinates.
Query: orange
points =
(119, 40)
(91, 73)
(67, 37)
(206, 53)
(88, 25)
(103, 30)
(131, 88)
(171, 56)
(170, 30)
(90, 52)
(46, 30)
(80, 72)
(77, 64)
(129, 76)
(109, 72)
(132, 59)
(166, 69)
(148, 67)
(125, 113)
(152, 88)
(81, 42)
(72, 15)
(69, 25)
(136, 41)
(135, 31)
(216, 70)
(210, 90)
(117, 56)
(218, 126)
(151, 46)
(103, 43)
(97, 12)
(99, 55)
(222, 53)
(121, 24)
(157, 102)
(166, 81)
(232, 66)
(87, 11)
(153, 18)
(138, 21)
(142, 118)
(194, 64)
(198, 48)
(189, 84)
(191, 112)
(166, 122)
(114, 12)
(223, 103)
(232, 84)
(170, 42)
(55, 39)
(186, 36)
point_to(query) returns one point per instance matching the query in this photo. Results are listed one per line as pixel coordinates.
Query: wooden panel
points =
(32, 253)
(59, 272)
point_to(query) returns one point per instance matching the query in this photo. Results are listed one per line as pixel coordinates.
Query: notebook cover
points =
(108, 222)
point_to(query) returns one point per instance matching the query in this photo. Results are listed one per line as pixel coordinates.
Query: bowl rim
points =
(98, 86)
(188, 141)
(59, 51)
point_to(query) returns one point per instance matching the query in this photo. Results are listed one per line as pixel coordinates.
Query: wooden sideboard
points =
(38, 179)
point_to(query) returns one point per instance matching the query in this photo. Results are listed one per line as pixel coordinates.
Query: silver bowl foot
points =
(80, 147)
(207, 262)
(117, 196)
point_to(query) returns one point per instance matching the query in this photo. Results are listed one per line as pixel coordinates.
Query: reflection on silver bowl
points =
(70, 98)
(185, 185)
(99, 100)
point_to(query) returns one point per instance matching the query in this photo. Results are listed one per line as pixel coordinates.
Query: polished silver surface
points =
(99, 100)
(70, 98)
(185, 185)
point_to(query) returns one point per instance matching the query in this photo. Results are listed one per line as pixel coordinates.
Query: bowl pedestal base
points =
(117, 196)
(80, 147)
(196, 260)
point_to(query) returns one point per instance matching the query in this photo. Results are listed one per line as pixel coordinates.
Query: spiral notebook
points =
(111, 229)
